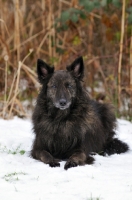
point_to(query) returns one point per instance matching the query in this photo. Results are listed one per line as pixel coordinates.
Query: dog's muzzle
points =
(62, 104)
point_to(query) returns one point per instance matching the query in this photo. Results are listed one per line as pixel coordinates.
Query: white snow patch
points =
(21, 177)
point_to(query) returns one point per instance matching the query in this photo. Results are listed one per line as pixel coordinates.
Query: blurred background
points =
(58, 32)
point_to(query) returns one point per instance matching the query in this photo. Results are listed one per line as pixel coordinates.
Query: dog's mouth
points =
(62, 107)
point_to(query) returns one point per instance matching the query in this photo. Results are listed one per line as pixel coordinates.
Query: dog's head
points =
(61, 85)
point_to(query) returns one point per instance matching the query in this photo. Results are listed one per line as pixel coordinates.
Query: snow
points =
(21, 177)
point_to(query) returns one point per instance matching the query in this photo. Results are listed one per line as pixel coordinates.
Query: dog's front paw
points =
(54, 164)
(70, 164)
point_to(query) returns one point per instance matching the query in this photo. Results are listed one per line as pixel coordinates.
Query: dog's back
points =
(67, 123)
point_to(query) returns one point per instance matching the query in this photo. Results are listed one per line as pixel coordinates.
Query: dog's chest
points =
(65, 137)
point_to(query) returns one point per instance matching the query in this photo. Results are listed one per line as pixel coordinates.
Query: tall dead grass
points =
(28, 32)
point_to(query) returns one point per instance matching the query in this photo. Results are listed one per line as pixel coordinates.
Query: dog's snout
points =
(62, 102)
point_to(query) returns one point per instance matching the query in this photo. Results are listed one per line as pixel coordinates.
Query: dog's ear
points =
(77, 68)
(43, 70)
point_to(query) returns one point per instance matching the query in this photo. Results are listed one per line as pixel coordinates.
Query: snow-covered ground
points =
(22, 178)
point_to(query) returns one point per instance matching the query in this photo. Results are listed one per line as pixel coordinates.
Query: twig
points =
(16, 89)
(121, 50)
(29, 39)
(5, 96)
(8, 102)
(30, 51)
(65, 2)
(28, 69)
(19, 105)
(1, 20)
(20, 64)
(50, 24)
(30, 76)
(17, 31)
(42, 42)
(131, 59)
(43, 8)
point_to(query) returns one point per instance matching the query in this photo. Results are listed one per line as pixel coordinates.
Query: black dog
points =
(67, 123)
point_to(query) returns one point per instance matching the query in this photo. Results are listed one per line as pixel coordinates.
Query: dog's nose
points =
(62, 102)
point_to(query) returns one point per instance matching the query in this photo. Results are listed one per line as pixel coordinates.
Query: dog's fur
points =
(68, 125)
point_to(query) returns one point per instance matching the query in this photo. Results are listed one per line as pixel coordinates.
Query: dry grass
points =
(121, 50)
(28, 32)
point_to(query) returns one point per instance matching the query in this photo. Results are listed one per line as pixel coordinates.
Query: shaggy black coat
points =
(68, 125)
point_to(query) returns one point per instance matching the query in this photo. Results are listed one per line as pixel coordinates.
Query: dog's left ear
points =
(77, 68)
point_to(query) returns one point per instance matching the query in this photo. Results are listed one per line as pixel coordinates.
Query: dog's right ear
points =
(43, 70)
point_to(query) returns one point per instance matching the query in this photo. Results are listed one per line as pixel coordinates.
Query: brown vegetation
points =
(41, 29)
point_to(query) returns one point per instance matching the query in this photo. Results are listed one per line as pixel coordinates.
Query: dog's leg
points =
(78, 158)
(45, 157)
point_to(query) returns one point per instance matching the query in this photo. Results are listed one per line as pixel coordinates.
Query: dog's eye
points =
(54, 86)
(69, 86)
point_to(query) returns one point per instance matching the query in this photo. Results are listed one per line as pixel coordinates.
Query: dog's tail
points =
(115, 146)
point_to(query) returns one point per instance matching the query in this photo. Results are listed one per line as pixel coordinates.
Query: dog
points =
(67, 123)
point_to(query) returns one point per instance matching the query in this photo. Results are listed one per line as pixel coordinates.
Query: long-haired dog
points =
(67, 123)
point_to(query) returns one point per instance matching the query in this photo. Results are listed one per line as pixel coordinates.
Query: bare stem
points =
(5, 96)
(131, 60)
(121, 51)
(16, 88)
(17, 31)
